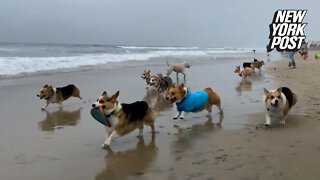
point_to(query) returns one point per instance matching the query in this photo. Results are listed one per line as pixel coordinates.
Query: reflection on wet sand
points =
(187, 136)
(59, 118)
(244, 85)
(157, 101)
(121, 165)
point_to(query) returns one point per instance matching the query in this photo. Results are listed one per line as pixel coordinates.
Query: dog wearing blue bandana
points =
(187, 101)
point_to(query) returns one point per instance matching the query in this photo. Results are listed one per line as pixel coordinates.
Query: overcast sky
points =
(204, 23)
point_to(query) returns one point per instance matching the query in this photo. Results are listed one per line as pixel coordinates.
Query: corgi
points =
(146, 76)
(253, 65)
(59, 94)
(186, 101)
(243, 72)
(154, 79)
(178, 68)
(162, 84)
(256, 64)
(277, 104)
(124, 118)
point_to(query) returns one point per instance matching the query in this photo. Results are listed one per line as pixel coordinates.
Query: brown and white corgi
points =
(277, 104)
(124, 118)
(162, 84)
(146, 75)
(256, 64)
(59, 94)
(243, 72)
(186, 101)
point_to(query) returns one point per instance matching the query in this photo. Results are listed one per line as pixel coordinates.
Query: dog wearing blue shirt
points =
(186, 101)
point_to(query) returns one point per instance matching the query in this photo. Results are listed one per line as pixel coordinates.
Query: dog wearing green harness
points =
(186, 101)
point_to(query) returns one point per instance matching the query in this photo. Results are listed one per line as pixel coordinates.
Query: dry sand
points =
(64, 143)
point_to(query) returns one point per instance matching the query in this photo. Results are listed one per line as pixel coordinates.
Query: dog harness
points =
(192, 101)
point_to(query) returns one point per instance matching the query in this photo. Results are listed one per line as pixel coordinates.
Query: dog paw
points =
(267, 125)
(283, 122)
(174, 118)
(42, 109)
(181, 117)
(104, 146)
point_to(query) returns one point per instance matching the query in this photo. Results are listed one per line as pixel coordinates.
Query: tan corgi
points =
(277, 104)
(186, 101)
(256, 64)
(59, 94)
(146, 76)
(124, 118)
(243, 72)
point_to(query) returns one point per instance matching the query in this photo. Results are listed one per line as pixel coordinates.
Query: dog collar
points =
(114, 112)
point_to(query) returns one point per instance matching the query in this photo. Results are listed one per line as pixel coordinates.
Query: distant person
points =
(292, 64)
(254, 51)
(304, 50)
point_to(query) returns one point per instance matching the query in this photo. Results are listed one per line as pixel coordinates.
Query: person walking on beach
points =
(292, 64)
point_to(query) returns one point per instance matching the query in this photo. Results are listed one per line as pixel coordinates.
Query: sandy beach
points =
(64, 143)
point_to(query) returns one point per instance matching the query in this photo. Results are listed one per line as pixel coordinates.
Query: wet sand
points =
(64, 143)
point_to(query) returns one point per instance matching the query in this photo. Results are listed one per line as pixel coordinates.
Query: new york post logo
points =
(287, 30)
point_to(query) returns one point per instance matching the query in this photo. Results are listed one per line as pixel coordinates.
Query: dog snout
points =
(276, 101)
(38, 95)
(93, 105)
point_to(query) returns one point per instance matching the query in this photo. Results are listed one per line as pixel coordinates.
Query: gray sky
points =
(205, 23)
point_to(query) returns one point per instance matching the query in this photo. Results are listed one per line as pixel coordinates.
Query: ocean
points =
(20, 59)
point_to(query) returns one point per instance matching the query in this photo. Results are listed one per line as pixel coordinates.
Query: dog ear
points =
(104, 93)
(50, 87)
(181, 86)
(45, 85)
(115, 96)
(265, 91)
(279, 89)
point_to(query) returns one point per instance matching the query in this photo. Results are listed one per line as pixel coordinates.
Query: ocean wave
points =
(158, 47)
(54, 58)
(17, 65)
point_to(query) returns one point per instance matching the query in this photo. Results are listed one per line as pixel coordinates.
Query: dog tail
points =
(167, 61)
(295, 99)
(214, 98)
